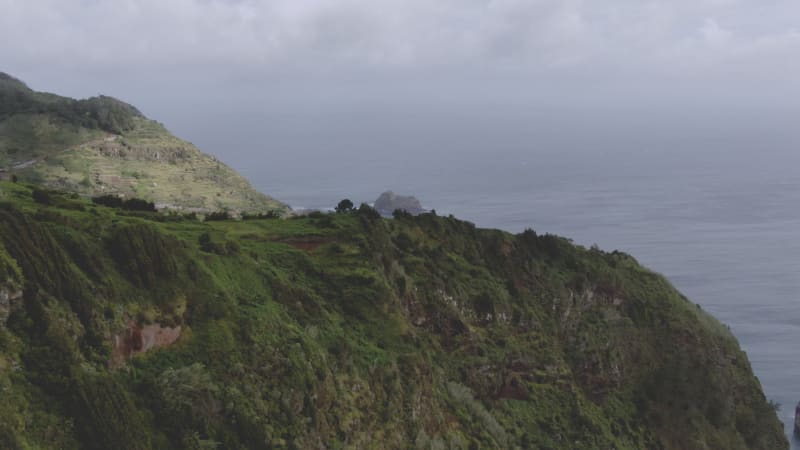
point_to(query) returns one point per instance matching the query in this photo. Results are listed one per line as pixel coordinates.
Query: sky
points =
(236, 65)
(729, 43)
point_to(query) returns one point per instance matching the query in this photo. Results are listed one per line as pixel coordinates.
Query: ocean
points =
(714, 209)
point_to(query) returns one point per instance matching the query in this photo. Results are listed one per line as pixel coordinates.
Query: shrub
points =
(107, 416)
(274, 214)
(462, 396)
(401, 214)
(131, 204)
(207, 244)
(189, 394)
(42, 196)
(112, 201)
(58, 199)
(368, 212)
(137, 204)
(145, 255)
(404, 241)
(218, 216)
(325, 221)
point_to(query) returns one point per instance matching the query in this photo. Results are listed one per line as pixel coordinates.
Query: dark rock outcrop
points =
(388, 202)
(797, 420)
(7, 298)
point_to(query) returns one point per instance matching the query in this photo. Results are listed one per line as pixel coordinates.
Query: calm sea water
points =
(714, 208)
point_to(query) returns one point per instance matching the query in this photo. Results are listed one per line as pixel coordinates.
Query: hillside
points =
(132, 330)
(104, 146)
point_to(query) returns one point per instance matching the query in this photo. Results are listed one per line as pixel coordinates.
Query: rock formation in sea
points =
(388, 202)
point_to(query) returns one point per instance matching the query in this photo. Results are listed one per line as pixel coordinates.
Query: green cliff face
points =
(103, 146)
(139, 330)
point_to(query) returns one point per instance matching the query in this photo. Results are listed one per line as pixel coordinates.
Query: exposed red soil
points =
(137, 339)
(307, 244)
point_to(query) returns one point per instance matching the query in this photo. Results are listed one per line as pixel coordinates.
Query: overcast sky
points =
(699, 41)
(182, 60)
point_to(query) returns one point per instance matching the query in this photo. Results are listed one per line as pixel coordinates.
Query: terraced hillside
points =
(104, 146)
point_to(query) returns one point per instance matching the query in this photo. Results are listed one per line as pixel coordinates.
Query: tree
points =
(345, 206)
(368, 212)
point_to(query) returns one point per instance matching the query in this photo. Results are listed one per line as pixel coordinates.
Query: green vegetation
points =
(350, 331)
(131, 204)
(104, 113)
(345, 206)
(102, 146)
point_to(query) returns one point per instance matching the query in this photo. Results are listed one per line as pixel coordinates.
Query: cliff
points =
(142, 330)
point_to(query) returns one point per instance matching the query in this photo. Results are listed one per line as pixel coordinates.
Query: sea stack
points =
(388, 202)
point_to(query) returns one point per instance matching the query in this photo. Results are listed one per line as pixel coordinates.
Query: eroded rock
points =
(8, 298)
(136, 339)
(388, 202)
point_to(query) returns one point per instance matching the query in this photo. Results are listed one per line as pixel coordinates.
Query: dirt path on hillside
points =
(94, 142)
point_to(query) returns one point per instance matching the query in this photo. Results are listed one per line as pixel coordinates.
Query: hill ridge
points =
(102, 145)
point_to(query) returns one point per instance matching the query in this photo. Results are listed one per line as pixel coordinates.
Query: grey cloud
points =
(537, 33)
(562, 50)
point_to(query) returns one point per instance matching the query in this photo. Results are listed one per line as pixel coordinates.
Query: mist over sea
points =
(711, 201)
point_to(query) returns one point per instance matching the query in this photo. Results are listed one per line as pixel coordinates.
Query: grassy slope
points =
(103, 146)
(355, 331)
